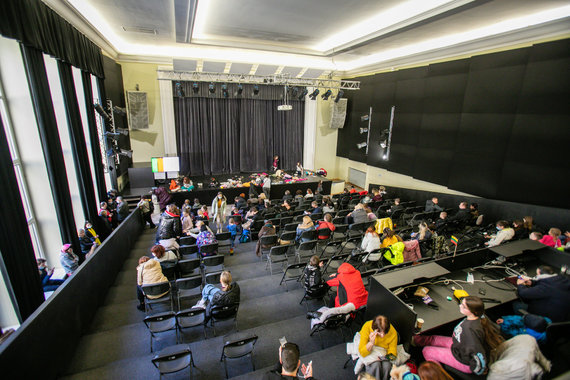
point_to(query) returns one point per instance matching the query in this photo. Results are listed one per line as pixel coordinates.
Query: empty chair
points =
(213, 263)
(187, 240)
(186, 268)
(277, 254)
(267, 242)
(343, 213)
(224, 313)
(235, 348)
(340, 231)
(288, 236)
(188, 287)
(298, 218)
(173, 359)
(223, 239)
(316, 216)
(290, 227)
(331, 249)
(188, 251)
(357, 229)
(236, 218)
(335, 262)
(285, 220)
(333, 322)
(191, 318)
(160, 323)
(293, 272)
(212, 278)
(209, 249)
(155, 294)
(338, 220)
(351, 243)
(306, 249)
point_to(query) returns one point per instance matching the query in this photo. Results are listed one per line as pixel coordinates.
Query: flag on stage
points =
(454, 240)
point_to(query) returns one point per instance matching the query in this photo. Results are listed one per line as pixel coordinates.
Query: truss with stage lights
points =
(276, 79)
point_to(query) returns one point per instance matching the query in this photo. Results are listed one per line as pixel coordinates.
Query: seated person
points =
(196, 206)
(350, 288)
(326, 223)
(307, 225)
(462, 215)
(213, 296)
(390, 238)
(552, 239)
(547, 294)
(289, 364)
(473, 338)
(423, 234)
(358, 215)
(309, 194)
(315, 209)
(205, 237)
(313, 280)
(441, 222)
(239, 202)
(203, 213)
(433, 205)
(186, 221)
(328, 206)
(286, 209)
(160, 254)
(352, 189)
(186, 185)
(68, 260)
(396, 206)
(48, 284)
(474, 211)
(266, 230)
(149, 272)
(250, 217)
(504, 233)
(86, 243)
(379, 333)
(287, 195)
(376, 196)
(520, 231)
(299, 195)
(371, 242)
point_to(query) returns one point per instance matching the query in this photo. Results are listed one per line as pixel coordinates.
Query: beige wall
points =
(149, 142)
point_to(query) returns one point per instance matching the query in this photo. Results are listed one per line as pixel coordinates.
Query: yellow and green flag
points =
(454, 240)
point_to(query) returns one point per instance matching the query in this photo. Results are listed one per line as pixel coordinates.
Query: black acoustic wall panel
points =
(382, 102)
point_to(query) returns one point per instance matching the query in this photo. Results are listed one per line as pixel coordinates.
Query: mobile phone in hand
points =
(282, 341)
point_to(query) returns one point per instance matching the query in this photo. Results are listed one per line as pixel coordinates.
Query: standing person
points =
(320, 188)
(169, 228)
(90, 232)
(299, 170)
(233, 230)
(380, 333)
(163, 196)
(146, 211)
(467, 350)
(186, 221)
(219, 211)
(275, 164)
(69, 260)
(267, 186)
(122, 209)
(87, 245)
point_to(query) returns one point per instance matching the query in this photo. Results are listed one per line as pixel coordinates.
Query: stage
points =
(206, 194)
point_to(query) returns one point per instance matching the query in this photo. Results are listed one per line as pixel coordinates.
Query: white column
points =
(167, 106)
(310, 134)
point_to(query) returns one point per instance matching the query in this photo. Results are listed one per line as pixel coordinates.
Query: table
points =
(405, 276)
(517, 247)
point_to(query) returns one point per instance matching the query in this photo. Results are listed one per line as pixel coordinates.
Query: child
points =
(203, 213)
(232, 229)
(196, 206)
(314, 284)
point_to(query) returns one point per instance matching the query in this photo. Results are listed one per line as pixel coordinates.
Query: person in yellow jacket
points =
(148, 272)
(379, 332)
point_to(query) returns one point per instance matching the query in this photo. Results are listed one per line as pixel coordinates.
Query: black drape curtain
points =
(77, 139)
(18, 259)
(218, 136)
(51, 145)
(34, 24)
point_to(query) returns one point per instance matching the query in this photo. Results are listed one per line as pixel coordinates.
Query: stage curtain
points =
(220, 136)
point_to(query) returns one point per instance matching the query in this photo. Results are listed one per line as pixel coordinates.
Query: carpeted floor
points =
(117, 345)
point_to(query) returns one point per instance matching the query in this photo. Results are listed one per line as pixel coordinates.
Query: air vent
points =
(140, 29)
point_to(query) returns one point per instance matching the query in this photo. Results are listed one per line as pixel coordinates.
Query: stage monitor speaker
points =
(137, 109)
(338, 113)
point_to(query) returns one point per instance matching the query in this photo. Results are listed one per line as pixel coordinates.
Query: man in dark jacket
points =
(170, 225)
(462, 215)
(289, 364)
(433, 205)
(122, 209)
(548, 294)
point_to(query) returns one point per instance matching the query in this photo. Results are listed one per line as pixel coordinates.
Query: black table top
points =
(516, 247)
(406, 276)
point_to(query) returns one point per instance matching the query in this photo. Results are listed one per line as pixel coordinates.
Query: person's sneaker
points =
(201, 304)
(140, 306)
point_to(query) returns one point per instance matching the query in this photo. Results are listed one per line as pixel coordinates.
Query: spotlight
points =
(294, 92)
(363, 130)
(211, 88)
(179, 90)
(338, 96)
(384, 138)
(361, 145)
(225, 90)
(239, 89)
(101, 111)
(327, 94)
(385, 156)
(304, 93)
(255, 90)
(195, 88)
(314, 94)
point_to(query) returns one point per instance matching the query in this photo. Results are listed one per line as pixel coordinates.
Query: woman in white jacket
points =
(219, 210)
(371, 242)
(504, 233)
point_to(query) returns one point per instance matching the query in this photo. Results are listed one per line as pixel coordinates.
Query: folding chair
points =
(267, 241)
(290, 227)
(316, 216)
(256, 227)
(288, 236)
(343, 213)
(351, 243)
(191, 318)
(334, 322)
(155, 290)
(235, 348)
(212, 278)
(187, 240)
(293, 272)
(340, 231)
(186, 267)
(188, 287)
(338, 220)
(224, 313)
(285, 220)
(357, 229)
(208, 249)
(160, 323)
(324, 234)
(331, 249)
(223, 239)
(366, 277)
(173, 359)
(308, 235)
(335, 262)
(316, 294)
(306, 249)
(212, 264)
(169, 269)
(188, 251)
(277, 254)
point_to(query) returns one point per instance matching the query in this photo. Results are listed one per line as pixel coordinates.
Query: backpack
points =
(245, 237)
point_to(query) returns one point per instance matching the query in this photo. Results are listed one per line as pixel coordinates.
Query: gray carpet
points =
(117, 344)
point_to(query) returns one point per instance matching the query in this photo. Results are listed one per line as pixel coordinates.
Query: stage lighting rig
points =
(326, 95)
(211, 88)
(195, 87)
(303, 93)
(338, 96)
(179, 90)
(314, 94)
(225, 90)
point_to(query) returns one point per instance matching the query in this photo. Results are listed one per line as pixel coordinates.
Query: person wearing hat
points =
(69, 260)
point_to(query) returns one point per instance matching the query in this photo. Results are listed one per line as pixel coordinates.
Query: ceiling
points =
(310, 38)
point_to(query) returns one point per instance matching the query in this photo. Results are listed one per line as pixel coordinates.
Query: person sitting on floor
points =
(149, 272)
(205, 237)
(547, 294)
(350, 288)
(289, 364)
(48, 284)
(379, 333)
(504, 233)
(313, 281)
(69, 260)
(473, 338)
(213, 296)
(307, 225)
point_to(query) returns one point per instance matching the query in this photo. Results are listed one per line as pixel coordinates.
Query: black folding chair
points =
(187, 240)
(169, 269)
(173, 359)
(209, 249)
(192, 317)
(305, 250)
(308, 235)
(340, 231)
(277, 254)
(212, 264)
(212, 278)
(335, 262)
(235, 348)
(160, 323)
(293, 272)
(188, 251)
(223, 239)
(331, 249)
(186, 267)
(334, 322)
(224, 313)
(188, 288)
(155, 290)
(267, 241)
